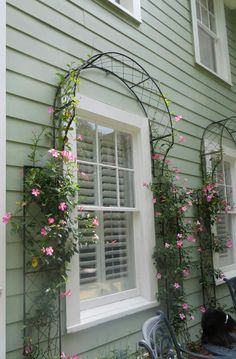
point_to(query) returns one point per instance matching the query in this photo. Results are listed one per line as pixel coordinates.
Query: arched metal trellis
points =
(142, 86)
(149, 96)
(215, 136)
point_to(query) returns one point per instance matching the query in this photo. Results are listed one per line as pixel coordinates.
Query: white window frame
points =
(3, 177)
(144, 296)
(130, 7)
(229, 270)
(222, 53)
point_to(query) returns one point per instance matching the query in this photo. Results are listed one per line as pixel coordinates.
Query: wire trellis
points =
(42, 321)
(44, 331)
(215, 136)
(144, 88)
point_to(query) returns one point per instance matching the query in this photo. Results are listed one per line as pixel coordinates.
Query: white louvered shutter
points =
(106, 178)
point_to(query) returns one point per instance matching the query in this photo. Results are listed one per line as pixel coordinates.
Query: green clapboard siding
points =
(45, 35)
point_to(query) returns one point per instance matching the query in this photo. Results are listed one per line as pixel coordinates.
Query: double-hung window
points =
(130, 7)
(113, 274)
(210, 37)
(226, 222)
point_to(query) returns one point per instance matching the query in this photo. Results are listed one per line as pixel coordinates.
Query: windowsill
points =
(228, 274)
(137, 18)
(92, 317)
(226, 81)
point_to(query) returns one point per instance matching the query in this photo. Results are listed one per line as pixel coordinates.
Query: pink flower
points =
(48, 251)
(209, 198)
(182, 139)
(65, 294)
(75, 356)
(84, 176)
(229, 243)
(35, 192)
(177, 178)
(81, 209)
(191, 239)
(179, 244)
(6, 218)
(154, 200)
(80, 137)
(186, 272)
(43, 231)
(202, 309)
(51, 220)
(167, 245)
(158, 275)
(176, 170)
(179, 235)
(95, 222)
(50, 109)
(185, 306)
(145, 184)
(68, 155)
(176, 285)
(168, 162)
(192, 317)
(62, 222)
(182, 316)
(63, 355)
(183, 209)
(62, 206)
(54, 153)
(178, 118)
(156, 156)
(28, 349)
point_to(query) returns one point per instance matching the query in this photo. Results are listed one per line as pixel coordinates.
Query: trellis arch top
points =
(143, 87)
(214, 137)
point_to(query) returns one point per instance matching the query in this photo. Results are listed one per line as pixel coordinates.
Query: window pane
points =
(207, 49)
(86, 148)
(211, 6)
(87, 178)
(198, 10)
(106, 138)
(109, 186)
(205, 20)
(107, 265)
(224, 234)
(126, 186)
(212, 23)
(88, 259)
(119, 250)
(124, 147)
(227, 170)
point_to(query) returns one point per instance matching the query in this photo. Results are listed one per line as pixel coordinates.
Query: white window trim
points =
(77, 319)
(3, 178)
(135, 14)
(222, 58)
(230, 270)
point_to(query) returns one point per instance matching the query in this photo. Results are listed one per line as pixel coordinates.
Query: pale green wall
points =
(45, 35)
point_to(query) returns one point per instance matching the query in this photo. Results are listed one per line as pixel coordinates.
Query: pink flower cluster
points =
(6, 217)
(66, 155)
(48, 250)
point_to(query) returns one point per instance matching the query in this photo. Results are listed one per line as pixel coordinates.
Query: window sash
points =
(106, 264)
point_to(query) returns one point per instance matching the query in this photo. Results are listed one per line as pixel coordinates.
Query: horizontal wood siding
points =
(45, 35)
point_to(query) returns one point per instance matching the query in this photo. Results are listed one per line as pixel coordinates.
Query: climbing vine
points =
(183, 218)
(52, 227)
